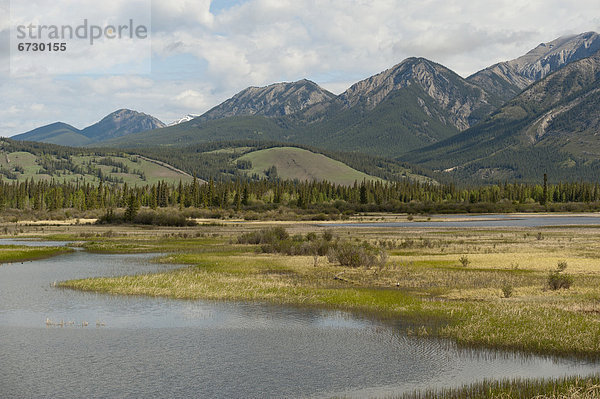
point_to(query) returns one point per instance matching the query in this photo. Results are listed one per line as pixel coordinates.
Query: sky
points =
(199, 53)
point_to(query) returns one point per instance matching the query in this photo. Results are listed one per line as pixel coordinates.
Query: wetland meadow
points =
(492, 291)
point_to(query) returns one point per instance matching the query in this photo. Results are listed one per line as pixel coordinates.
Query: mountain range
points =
(411, 105)
(552, 127)
(538, 110)
(509, 78)
(117, 124)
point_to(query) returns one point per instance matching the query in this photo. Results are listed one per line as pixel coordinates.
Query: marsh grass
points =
(425, 285)
(562, 388)
(14, 253)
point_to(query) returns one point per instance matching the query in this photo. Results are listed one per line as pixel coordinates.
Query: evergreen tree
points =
(133, 207)
(364, 199)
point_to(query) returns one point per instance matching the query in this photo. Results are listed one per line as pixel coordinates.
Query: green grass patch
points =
(226, 276)
(296, 163)
(562, 388)
(16, 253)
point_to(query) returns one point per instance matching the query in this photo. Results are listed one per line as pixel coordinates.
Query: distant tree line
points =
(402, 196)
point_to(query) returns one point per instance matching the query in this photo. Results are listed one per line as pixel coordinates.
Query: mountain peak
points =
(507, 79)
(121, 123)
(186, 118)
(449, 91)
(118, 123)
(550, 127)
(548, 57)
(277, 99)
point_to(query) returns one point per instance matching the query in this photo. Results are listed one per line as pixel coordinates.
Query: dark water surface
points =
(156, 347)
(484, 221)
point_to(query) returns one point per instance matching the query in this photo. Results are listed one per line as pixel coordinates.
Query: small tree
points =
(133, 206)
(464, 260)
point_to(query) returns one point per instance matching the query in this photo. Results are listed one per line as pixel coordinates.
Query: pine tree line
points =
(53, 195)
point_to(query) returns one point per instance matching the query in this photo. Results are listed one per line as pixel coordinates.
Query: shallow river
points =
(149, 347)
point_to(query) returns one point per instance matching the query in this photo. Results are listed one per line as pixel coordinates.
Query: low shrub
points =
(558, 279)
(346, 253)
(162, 219)
(357, 255)
(464, 260)
(264, 236)
(507, 290)
(147, 217)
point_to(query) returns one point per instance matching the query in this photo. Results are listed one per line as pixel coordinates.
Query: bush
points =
(277, 240)
(357, 255)
(562, 266)
(265, 236)
(464, 260)
(162, 219)
(558, 279)
(540, 236)
(507, 290)
(110, 217)
(147, 217)
(327, 235)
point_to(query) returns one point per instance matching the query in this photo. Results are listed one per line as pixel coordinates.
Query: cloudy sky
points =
(201, 52)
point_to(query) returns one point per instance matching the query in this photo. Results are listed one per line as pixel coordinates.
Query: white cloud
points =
(79, 24)
(333, 42)
(35, 107)
(108, 85)
(191, 99)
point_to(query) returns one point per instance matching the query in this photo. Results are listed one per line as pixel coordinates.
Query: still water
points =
(490, 220)
(156, 347)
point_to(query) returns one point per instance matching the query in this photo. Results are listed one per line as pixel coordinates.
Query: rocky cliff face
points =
(507, 79)
(458, 99)
(121, 123)
(278, 99)
(570, 100)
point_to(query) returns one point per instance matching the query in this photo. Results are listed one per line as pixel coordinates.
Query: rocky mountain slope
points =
(121, 123)
(460, 102)
(553, 127)
(410, 105)
(278, 99)
(509, 78)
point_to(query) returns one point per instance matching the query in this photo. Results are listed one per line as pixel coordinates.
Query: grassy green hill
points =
(219, 161)
(21, 162)
(297, 163)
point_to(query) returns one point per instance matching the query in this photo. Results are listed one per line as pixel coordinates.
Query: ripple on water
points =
(156, 347)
